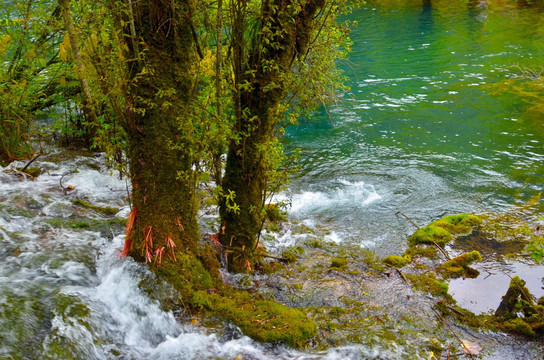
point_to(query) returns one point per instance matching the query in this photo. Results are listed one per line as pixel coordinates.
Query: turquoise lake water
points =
(423, 129)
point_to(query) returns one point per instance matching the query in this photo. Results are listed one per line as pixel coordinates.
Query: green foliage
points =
(536, 248)
(28, 55)
(274, 214)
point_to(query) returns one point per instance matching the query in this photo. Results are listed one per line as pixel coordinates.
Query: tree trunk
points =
(272, 52)
(88, 108)
(163, 218)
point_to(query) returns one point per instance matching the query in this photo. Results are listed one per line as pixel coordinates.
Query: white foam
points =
(344, 193)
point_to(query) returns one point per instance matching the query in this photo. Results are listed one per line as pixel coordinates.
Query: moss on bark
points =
(284, 34)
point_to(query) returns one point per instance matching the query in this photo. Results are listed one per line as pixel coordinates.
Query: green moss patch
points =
(428, 234)
(458, 224)
(517, 313)
(338, 264)
(264, 320)
(103, 226)
(290, 256)
(32, 171)
(274, 214)
(430, 284)
(518, 326)
(422, 250)
(440, 231)
(106, 210)
(459, 265)
(397, 261)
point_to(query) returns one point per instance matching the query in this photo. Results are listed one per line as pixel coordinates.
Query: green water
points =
(423, 129)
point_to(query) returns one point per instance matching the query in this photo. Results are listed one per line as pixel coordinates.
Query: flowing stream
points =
(66, 293)
(421, 132)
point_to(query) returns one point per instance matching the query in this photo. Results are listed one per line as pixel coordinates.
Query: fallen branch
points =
(65, 189)
(30, 162)
(22, 174)
(434, 242)
(454, 334)
(400, 273)
(407, 218)
(272, 257)
(452, 309)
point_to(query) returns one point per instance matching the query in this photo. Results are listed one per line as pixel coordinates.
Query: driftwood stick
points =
(402, 275)
(407, 218)
(441, 250)
(272, 257)
(454, 334)
(62, 186)
(30, 162)
(454, 309)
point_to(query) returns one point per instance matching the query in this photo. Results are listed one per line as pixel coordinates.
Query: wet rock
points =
(517, 298)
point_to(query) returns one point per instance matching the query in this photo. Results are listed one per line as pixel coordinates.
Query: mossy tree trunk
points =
(163, 218)
(284, 33)
(88, 103)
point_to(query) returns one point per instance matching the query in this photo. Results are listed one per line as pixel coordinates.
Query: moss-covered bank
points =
(204, 293)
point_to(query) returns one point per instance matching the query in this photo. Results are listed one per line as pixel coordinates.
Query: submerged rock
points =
(459, 265)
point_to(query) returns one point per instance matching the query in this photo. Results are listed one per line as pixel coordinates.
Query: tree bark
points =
(88, 108)
(271, 54)
(163, 220)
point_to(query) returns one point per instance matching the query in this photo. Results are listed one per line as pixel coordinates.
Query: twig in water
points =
(434, 242)
(454, 334)
(30, 162)
(407, 218)
(65, 189)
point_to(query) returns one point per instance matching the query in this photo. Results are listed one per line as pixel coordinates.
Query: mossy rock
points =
(106, 210)
(265, 320)
(459, 265)
(440, 231)
(430, 284)
(458, 224)
(290, 256)
(32, 171)
(262, 320)
(397, 261)
(269, 267)
(338, 264)
(518, 326)
(428, 251)
(430, 233)
(105, 227)
(316, 244)
(517, 300)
